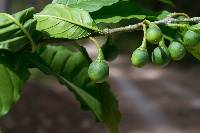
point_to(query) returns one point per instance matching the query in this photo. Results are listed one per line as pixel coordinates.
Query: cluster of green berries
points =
(162, 54)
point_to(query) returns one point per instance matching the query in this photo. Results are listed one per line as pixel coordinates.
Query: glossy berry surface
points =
(191, 38)
(160, 56)
(98, 71)
(177, 51)
(139, 57)
(153, 35)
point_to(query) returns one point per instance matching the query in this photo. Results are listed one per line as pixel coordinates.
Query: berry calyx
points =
(140, 57)
(177, 51)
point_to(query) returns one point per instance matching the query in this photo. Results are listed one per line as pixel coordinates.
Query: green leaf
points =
(163, 14)
(122, 10)
(14, 73)
(17, 30)
(70, 65)
(169, 2)
(87, 5)
(61, 21)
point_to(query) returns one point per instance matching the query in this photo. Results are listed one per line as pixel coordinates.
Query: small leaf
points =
(61, 21)
(87, 5)
(70, 66)
(14, 73)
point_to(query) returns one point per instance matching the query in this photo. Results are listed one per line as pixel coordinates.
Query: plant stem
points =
(128, 28)
(100, 55)
(144, 41)
(138, 26)
(175, 14)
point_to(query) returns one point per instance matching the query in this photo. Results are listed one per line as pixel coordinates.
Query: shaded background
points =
(152, 100)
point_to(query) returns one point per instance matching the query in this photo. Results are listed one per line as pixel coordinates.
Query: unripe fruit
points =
(154, 35)
(177, 51)
(160, 56)
(110, 52)
(98, 71)
(191, 38)
(139, 57)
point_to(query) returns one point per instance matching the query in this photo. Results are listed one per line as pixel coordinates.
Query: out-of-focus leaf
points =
(169, 2)
(12, 36)
(163, 14)
(14, 73)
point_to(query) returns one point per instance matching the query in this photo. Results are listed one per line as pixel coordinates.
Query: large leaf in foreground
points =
(13, 74)
(70, 66)
(122, 10)
(61, 21)
(87, 5)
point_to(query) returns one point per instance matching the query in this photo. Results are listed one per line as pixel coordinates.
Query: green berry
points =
(177, 51)
(139, 57)
(154, 35)
(191, 38)
(98, 71)
(160, 56)
(110, 52)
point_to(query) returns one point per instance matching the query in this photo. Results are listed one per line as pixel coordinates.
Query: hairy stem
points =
(168, 21)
